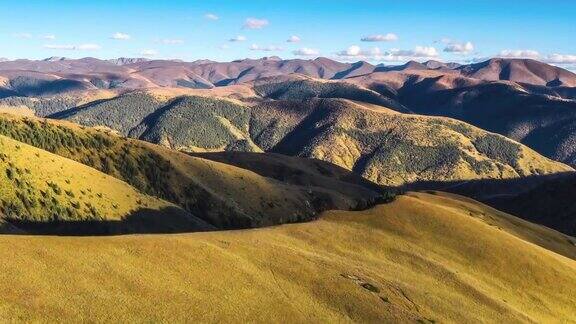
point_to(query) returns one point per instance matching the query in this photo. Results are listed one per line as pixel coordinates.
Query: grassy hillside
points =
(391, 148)
(539, 117)
(383, 146)
(308, 88)
(223, 195)
(121, 113)
(194, 123)
(44, 192)
(392, 263)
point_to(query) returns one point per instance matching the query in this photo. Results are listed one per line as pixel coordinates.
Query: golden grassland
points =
(424, 257)
(219, 190)
(43, 180)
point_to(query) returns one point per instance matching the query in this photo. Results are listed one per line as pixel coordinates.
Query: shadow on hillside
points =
(487, 190)
(545, 200)
(144, 221)
(71, 111)
(292, 170)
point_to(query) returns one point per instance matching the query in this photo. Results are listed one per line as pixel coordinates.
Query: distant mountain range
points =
(47, 76)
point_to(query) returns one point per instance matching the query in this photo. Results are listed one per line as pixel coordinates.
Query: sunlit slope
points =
(336, 122)
(223, 195)
(391, 148)
(39, 188)
(426, 258)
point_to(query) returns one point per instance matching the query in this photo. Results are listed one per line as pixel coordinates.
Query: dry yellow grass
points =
(421, 258)
(41, 176)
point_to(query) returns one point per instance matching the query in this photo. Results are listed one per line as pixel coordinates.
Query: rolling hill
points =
(528, 101)
(222, 195)
(216, 153)
(423, 258)
(520, 71)
(380, 144)
(541, 117)
(46, 193)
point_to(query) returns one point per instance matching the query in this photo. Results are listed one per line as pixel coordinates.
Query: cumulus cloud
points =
(531, 54)
(417, 52)
(255, 23)
(564, 60)
(293, 39)
(148, 53)
(270, 48)
(355, 51)
(82, 47)
(459, 48)
(390, 37)
(561, 59)
(49, 37)
(395, 55)
(172, 41)
(22, 35)
(238, 38)
(120, 36)
(211, 16)
(555, 58)
(305, 51)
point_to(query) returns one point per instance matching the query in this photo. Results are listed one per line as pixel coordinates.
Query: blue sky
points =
(421, 30)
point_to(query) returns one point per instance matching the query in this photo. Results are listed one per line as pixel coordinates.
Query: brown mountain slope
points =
(31, 78)
(422, 258)
(543, 118)
(520, 71)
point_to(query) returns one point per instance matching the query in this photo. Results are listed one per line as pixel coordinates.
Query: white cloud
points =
(531, 54)
(211, 16)
(352, 51)
(22, 35)
(224, 47)
(357, 52)
(89, 47)
(255, 23)
(120, 36)
(395, 55)
(305, 51)
(148, 52)
(61, 47)
(172, 41)
(560, 59)
(459, 48)
(49, 37)
(293, 39)
(270, 48)
(82, 47)
(417, 52)
(238, 38)
(565, 60)
(390, 37)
